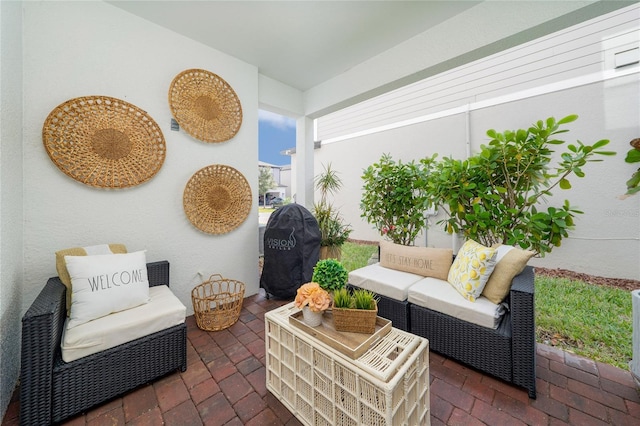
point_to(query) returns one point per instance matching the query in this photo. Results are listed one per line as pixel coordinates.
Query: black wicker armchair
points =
(52, 390)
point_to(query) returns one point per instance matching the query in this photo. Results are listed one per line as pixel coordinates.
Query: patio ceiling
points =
(299, 43)
(339, 53)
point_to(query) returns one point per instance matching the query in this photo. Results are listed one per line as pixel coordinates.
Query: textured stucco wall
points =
(74, 49)
(10, 197)
(606, 240)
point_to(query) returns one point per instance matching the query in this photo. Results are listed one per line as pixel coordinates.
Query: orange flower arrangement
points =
(312, 295)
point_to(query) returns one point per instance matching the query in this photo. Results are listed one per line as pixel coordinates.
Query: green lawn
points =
(589, 320)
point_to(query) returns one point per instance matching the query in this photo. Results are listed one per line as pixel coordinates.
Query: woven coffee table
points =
(387, 385)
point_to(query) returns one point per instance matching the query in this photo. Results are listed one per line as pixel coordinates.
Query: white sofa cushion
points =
(438, 295)
(164, 310)
(384, 281)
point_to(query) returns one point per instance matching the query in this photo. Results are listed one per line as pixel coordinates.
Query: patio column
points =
(304, 162)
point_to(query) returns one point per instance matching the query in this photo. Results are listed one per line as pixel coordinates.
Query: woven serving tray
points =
(350, 344)
(104, 142)
(205, 105)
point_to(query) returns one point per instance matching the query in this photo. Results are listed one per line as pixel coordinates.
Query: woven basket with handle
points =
(217, 302)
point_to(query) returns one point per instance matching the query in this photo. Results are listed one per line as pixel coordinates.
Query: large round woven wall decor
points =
(205, 105)
(217, 199)
(104, 142)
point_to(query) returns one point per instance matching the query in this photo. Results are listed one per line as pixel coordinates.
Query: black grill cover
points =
(291, 250)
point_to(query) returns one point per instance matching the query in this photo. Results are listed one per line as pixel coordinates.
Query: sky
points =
(275, 134)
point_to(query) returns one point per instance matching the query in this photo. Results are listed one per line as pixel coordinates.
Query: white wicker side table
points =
(387, 385)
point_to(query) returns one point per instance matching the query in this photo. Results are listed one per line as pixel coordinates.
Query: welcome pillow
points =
(61, 266)
(471, 269)
(425, 261)
(510, 261)
(103, 284)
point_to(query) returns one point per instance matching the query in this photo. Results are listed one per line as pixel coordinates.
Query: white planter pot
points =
(312, 319)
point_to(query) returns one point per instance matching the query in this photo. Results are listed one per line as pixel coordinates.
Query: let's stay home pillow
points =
(103, 284)
(425, 261)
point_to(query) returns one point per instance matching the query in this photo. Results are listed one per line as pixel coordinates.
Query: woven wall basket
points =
(217, 199)
(205, 105)
(104, 142)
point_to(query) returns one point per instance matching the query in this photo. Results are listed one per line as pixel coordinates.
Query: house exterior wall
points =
(75, 49)
(436, 116)
(11, 198)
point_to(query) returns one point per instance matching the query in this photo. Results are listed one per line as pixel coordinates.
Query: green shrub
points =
(494, 196)
(394, 198)
(330, 274)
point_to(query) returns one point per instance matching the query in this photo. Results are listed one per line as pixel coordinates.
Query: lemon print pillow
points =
(471, 269)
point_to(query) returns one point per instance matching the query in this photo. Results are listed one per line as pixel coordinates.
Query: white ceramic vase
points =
(312, 319)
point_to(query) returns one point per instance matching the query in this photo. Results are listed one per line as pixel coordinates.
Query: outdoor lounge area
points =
(138, 124)
(225, 385)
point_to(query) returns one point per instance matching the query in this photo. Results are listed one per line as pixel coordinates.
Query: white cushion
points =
(384, 281)
(104, 284)
(164, 310)
(438, 295)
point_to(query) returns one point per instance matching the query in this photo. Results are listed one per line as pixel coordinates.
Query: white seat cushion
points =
(164, 310)
(384, 281)
(438, 295)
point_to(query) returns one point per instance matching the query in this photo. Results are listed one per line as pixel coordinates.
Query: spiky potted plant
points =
(355, 312)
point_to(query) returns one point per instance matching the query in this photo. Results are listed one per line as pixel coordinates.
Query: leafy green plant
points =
(330, 274)
(394, 198)
(633, 156)
(333, 230)
(493, 196)
(342, 298)
(364, 299)
(358, 299)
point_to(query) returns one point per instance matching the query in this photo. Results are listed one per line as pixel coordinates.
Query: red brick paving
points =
(225, 385)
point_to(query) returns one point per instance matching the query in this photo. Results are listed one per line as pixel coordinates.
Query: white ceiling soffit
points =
(299, 43)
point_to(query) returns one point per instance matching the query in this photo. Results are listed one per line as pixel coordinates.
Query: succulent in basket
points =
(364, 299)
(330, 274)
(359, 299)
(342, 298)
(355, 312)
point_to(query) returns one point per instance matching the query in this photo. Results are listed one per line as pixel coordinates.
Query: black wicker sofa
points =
(52, 390)
(507, 352)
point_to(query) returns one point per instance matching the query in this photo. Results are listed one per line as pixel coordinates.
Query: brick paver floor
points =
(225, 385)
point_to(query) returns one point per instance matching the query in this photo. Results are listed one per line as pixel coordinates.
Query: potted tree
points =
(395, 199)
(493, 196)
(334, 232)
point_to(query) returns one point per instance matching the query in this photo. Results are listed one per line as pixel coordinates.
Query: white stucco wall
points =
(11, 226)
(606, 240)
(74, 49)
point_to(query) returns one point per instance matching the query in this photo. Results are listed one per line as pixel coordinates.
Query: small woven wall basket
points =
(205, 105)
(355, 320)
(104, 142)
(217, 199)
(217, 302)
